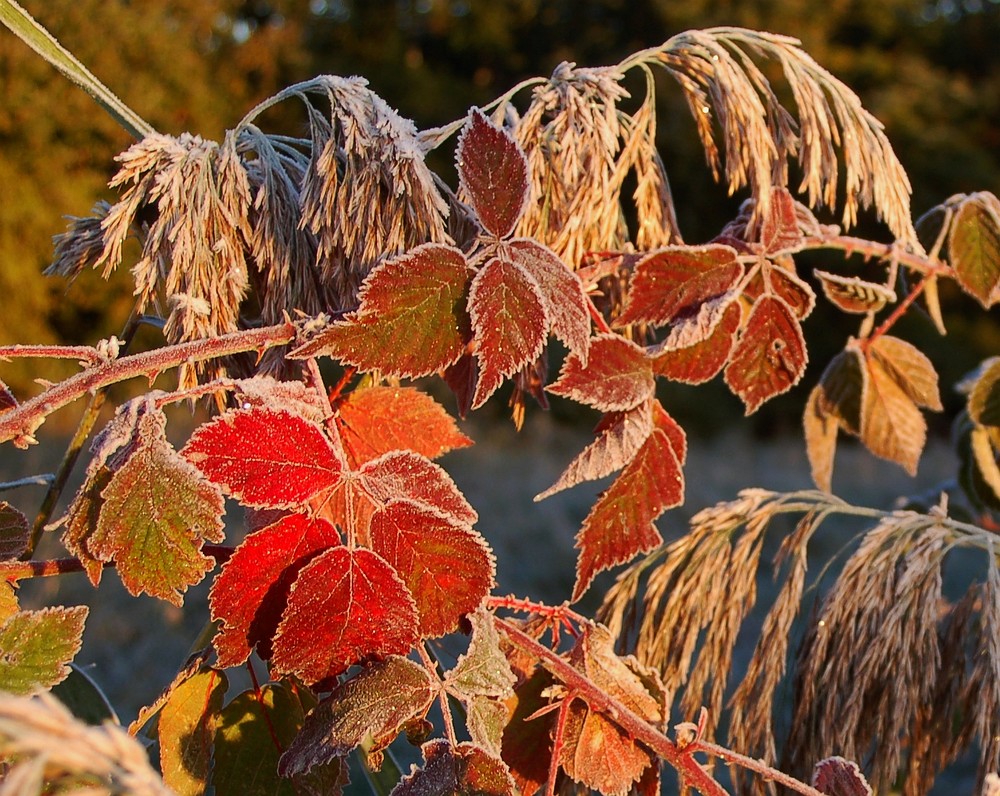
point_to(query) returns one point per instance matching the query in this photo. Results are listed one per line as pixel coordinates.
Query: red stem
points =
(86, 353)
(19, 424)
(897, 313)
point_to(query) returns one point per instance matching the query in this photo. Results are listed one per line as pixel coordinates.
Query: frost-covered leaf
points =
(447, 566)
(853, 294)
(7, 399)
(483, 670)
(186, 728)
(374, 704)
(770, 357)
(250, 734)
(618, 375)
(345, 606)
(836, 776)
(8, 601)
(411, 320)
(620, 525)
(492, 173)
(465, 770)
(796, 293)
(265, 458)
(14, 532)
(779, 227)
(37, 646)
(702, 360)
(986, 473)
(377, 420)
(157, 511)
(619, 437)
(250, 593)
(676, 280)
(290, 396)
(527, 738)
(562, 290)
(911, 368)
(974, 246)
(509, 321)
(599, 754)
(891, 424)
(403, 474)
(595, 656)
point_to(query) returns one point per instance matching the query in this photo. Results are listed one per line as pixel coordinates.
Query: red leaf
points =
(493, 173)
(382, 419)
(345, 606)
(770, 357)
(598, 753)
(673, 430)
(620, 435)
(461, 378)
(265, 458)
(250, 593)
(676, 280)
(700, 362)
(527, 742)
(839, 777)
(780, 228)
(509, 321)
(620, 525)
(447, 567)
(617, 377)
(403, 474)
(562, 290)
(773, 280)
(411, 320)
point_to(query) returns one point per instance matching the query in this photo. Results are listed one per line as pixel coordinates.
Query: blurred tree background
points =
(929, 69)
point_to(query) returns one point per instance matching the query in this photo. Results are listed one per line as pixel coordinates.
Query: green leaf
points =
(186, 729)
(157, 511)
(37, 646)
(84, 698)
(974, 246)
(251, 732)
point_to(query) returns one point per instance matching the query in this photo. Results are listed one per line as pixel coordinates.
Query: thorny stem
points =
(13, 571)
(20, 423)
(871, 249)
(84, 353)
(692, 774)
(83, 429)
(897, 312)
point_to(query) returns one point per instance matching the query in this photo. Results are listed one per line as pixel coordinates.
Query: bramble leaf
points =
(677, 280)
(770, 357)
(250, 593)
(37, 646)
(703, 359)
(374, 704)
(842, 386)
(509, 322)
(14, 532)
(463, 770)
(345, 606)
(836, 776)
(265, 458)
(411, 320)
(566, 301)
(527, 738)
(891, 424)
(620, 435)
(820, 429)
(779, 228)
(984, 398)
(620, 525)
(447, 566)
(157, 511)
(599, 754)
(291, 396)
(855, 295)
(910, 367)
(974, 245)
(377, 420)
(795, 292)
(7, 399)
(618, 375)
(492, 173)
(8, 601)
(186, 728)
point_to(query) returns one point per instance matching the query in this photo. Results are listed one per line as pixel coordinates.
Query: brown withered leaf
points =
(462, 770)
(892, 426)
(821, 439)
(841, 388)
(911, 368)
(853, 294)
(984, 397)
